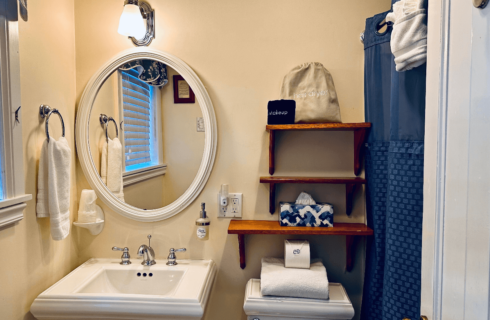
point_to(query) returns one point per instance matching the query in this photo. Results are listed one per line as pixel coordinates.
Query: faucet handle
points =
(171, 259)
(125, 256)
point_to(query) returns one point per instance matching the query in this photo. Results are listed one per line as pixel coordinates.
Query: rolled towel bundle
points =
(86, 209)
(276, 280)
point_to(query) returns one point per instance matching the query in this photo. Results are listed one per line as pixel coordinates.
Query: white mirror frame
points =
(83, 147)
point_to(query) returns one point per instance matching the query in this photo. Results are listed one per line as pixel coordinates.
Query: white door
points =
(456, 230)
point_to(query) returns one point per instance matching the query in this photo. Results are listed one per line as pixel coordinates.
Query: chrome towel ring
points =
(104, 120)
(45, 111)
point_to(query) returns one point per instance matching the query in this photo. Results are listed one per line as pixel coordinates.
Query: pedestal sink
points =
(104, 289)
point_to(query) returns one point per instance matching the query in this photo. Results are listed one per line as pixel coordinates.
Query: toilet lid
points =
(337, 307)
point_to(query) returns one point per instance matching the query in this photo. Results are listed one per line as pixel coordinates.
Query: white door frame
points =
(456, 225)
(434, 159)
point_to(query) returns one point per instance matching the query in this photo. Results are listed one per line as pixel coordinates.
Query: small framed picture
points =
(182, 91)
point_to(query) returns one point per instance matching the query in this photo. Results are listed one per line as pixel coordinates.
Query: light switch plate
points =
(200, 124)
(234, 207)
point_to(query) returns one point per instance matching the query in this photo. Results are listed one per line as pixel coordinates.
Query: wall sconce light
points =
(138, 22)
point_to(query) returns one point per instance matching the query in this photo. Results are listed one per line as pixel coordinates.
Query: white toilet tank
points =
(258, 307)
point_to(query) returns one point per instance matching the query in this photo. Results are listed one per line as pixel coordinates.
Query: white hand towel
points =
(59, 170)
(103, 162)
(42, 205)
(276, 280)
(53, 195)
(114, 168)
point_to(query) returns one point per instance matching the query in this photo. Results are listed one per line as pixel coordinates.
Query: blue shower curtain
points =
(395, 105)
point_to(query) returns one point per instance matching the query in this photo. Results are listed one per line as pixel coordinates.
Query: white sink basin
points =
(156, 282)
(104, 289)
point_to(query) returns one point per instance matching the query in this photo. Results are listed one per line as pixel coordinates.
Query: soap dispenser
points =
(202, 230)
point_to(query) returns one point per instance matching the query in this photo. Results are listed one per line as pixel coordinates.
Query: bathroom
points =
(240, 52)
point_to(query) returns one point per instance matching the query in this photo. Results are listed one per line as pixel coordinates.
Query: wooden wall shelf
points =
(350, 230)
(351, 185)
(359, 137)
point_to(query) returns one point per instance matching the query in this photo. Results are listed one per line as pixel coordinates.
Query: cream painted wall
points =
(183, 146)
(31, 260)
(241, 50)
(146, 194)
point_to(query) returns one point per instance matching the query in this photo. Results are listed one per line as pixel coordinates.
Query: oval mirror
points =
(146, 134)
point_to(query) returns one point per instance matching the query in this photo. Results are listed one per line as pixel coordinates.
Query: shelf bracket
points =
(272, 198)
(350, 244)
(241, 249)
(350, 191)
(272, 142)
(359, 136)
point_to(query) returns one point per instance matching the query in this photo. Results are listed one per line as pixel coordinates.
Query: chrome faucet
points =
(172, 259)
(146, 251)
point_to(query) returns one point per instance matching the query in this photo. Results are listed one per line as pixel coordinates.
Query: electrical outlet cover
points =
(234, 207)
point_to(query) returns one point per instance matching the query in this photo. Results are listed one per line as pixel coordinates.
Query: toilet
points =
(258, 307)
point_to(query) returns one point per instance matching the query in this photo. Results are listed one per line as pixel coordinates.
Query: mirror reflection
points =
(155, 135)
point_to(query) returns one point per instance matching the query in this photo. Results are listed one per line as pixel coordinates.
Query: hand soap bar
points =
(202, 230)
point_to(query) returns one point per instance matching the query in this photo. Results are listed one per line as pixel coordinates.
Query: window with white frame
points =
(142, 132)
(12, 192)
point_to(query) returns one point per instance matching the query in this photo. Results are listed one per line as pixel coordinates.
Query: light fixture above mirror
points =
(138, 22)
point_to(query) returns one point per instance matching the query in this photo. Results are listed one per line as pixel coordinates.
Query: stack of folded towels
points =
(277, 280)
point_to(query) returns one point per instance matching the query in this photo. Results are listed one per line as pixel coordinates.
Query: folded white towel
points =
(111, 167)
(59, 171)
(42, 205)
(409, 35)
(103, 162)
(276, 280)
(114, 168)
(403, 8)
(54, 196)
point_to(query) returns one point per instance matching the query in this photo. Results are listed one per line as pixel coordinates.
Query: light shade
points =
(132, 23)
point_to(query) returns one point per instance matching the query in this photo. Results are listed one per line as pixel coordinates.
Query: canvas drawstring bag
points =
(312, 87)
